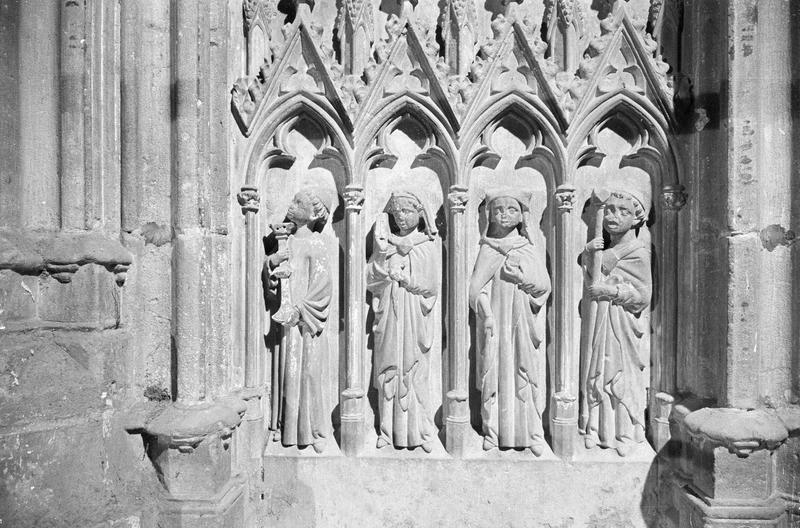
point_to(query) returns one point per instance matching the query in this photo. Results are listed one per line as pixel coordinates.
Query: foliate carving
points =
(246, 93)
(249, 199)
(673, 197)
(460, 91)
(255, 11)
(565, 198)
(353, 197)
(457, 198)
(404, 272)
(508, 289)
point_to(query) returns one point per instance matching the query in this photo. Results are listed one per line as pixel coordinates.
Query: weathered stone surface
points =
(91, 298)
(82, 472)
(414, 492)
(739, 431)
(18, 297)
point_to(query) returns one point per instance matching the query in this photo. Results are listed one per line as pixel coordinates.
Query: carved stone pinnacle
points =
(249, 199)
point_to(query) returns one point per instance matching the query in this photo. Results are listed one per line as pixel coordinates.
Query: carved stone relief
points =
(467, 321)
(508, 288)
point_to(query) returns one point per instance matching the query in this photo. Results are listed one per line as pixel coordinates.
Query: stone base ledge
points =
(61, 253)
(771, 512)
(190, 505)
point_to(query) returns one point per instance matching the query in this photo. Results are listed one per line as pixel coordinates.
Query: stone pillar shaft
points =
(758, 348)
(39, 111)
(145, 113)
(564, 402)
(353, 398)
(458, 415)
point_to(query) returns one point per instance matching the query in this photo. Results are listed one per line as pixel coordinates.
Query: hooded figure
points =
(615, 353)
(403, 276)
(508, 288)
(304, 416)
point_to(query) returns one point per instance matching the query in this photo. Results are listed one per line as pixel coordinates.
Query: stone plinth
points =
(508, 488)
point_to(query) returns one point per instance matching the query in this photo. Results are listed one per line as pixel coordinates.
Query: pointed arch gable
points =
(421, 108)
(529, 108)
(292, 106)
(638, 108)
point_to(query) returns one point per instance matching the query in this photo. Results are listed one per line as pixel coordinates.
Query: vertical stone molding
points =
(458, 414)
(249, 199)
(39, 188)
(664, 375)
(564, 400)
(353, 398)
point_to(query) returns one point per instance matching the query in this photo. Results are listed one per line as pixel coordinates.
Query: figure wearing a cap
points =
(403, 276)
(615, 355)
(508, 288)
(305, 418)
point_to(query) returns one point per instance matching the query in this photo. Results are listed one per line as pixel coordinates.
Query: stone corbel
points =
(739, 431)
(189, 447)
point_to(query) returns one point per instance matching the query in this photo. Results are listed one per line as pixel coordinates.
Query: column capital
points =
(458, 198)
(565, 197)
(249, 198)
(673, 197)
(353, 197)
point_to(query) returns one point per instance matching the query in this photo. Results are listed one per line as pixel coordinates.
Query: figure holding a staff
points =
(300, 271)
(615, 353)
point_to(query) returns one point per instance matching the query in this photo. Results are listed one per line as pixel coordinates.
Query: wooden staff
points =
(282, 273)
(599, 200)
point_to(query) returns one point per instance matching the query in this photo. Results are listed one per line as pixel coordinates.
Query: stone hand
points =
(598, 291)
(533, 290)
(596, 244)
(294, 317)
(488, 326)
(281, 256)
(514, 272)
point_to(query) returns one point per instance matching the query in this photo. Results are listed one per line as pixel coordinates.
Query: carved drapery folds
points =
(392, 116)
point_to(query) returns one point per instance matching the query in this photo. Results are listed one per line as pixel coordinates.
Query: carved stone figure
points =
(617, 291)
(403, 276)
(508, 288)
(300, 272)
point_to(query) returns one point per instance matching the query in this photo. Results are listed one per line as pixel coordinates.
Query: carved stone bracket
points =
(565, 198)
(457, 198)
(249, 199)
(741, 432)
(353, 197)
(673, 197)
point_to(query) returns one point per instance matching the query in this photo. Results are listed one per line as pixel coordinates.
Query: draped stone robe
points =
(305, 417)
(511, 363)
(404, 332)
(615, 353)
